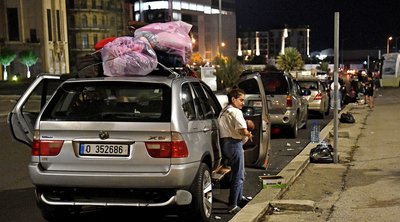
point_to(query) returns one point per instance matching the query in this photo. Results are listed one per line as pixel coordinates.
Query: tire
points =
(294, 130)
(327, 111)
(322, 115)
(201, 190)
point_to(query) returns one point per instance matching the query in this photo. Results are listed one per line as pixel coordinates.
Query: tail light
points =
(46, 147)
(175, 149)
(289, 101)
(318, 96)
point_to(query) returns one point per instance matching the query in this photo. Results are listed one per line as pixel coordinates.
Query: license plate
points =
(257, 103)
(90, 149)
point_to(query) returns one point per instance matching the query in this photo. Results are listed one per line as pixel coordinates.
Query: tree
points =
(290, 61)
(196, 59)
(324, 66)
(6, 57)
(28, 58)
(228, 71)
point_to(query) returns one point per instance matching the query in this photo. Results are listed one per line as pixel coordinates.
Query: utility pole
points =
(335, 89)
(219, 26)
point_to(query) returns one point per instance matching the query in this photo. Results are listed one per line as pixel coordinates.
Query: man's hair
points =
(235, 93)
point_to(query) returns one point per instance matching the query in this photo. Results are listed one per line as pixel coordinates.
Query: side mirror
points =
(248, 111)
(306, 92)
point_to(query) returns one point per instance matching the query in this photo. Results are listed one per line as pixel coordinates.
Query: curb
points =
(257, 208)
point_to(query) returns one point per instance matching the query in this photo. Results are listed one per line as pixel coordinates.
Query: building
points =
(60, 31)
(40, 26)
(269, 44)
(253, 44)
(92, 20)
(214, 22)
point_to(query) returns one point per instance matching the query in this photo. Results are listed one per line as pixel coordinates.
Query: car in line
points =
(137, 141)
(318, 100)
(287, 107)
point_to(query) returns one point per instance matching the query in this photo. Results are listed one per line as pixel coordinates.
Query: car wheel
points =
(201, 206)
(327, 110)
(294, 129)
(322, 115)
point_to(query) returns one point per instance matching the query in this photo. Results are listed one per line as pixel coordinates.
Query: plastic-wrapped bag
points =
(170, 37)
(128, 56)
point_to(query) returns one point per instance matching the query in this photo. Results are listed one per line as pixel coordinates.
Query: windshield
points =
(110, 101)
(311, 85)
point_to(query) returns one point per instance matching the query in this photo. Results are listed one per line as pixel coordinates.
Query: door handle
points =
(206, 129)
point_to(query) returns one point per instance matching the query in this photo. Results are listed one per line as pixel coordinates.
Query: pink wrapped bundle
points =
(127, 56)
(170, 37)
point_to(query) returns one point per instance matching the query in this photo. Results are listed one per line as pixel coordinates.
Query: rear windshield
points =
(110, 101)
(275, 84)
(312, 85)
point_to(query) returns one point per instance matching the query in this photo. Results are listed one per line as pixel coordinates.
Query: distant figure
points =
(369, 87)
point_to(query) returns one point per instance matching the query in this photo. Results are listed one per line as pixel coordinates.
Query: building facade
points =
(89, 21)
(214, 22)
(269, 44)
(39, 26)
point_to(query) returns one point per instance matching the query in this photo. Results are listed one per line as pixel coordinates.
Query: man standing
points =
(233, 131)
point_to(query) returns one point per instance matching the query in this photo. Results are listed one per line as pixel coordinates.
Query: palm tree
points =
(6, 57)
(290, 61)
(28, 58)
(324, 66)
(228, 71)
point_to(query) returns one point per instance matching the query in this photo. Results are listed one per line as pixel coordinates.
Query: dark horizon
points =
(363, 24)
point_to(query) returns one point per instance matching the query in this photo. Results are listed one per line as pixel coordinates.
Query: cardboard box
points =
(272, 182)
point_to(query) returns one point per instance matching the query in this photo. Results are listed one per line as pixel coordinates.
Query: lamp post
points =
(387, 45)
(222, 48)
(219, 26)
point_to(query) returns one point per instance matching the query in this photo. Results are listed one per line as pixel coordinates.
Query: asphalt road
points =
(17, 201)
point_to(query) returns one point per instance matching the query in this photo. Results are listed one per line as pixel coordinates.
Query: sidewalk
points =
(363, 186)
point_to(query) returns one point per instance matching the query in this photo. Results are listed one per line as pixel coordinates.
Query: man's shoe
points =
(234, 210)
(245, 200)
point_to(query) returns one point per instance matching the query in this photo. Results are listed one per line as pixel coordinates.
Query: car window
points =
(200, 101)
(250, 86)
(188, 102)
(212, 102)
(275, 84)
(311, 85)
(110, 101)
(40, 96)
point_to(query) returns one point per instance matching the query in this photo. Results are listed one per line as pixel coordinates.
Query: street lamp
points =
(222, 48)
(387, 45)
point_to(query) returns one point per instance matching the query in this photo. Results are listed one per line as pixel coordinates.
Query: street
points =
(17, 193)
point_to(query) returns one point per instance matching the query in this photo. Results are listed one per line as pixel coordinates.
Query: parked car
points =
(142, 141)
(318, 100)
(286, 106)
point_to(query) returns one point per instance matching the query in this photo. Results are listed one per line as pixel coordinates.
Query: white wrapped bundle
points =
(170, 37)
(128, 56)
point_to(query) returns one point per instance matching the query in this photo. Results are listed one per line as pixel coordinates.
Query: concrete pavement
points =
(363, 186)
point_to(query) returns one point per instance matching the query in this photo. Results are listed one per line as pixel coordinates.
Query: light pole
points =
(219, 27)
(387, 45)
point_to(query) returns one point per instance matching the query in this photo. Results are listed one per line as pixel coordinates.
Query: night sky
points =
(364, 24)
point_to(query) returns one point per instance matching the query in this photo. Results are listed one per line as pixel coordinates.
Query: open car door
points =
(257, 151)
(22, 117)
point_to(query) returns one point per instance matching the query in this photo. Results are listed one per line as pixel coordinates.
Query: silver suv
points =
(318, 100)
(286, 105)
(123, 141)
